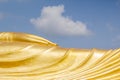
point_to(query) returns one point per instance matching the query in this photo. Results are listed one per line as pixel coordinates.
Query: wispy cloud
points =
(110, 27)
(1, 16)
(118, 3)
(116, 41)
(21, 0)
(3, 0)
(51, 21)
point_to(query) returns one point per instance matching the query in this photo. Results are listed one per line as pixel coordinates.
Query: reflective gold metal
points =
(29, 57)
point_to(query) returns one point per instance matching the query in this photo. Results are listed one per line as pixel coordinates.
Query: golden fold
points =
(29, 57)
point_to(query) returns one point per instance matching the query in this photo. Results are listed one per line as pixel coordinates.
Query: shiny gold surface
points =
(28, 57)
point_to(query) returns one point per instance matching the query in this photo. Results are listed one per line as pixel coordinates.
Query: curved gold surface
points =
(28, 57)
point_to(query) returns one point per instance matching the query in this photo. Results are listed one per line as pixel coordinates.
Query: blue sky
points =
(69, 23)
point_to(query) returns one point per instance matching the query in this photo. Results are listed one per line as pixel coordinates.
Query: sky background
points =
(69, 23)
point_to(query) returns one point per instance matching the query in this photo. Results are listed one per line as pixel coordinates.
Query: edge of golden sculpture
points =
(29, 57)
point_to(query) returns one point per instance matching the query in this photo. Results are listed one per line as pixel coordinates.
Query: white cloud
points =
(51, 21)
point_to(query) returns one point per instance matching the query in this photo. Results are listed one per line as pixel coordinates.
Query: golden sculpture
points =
(28, 57)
